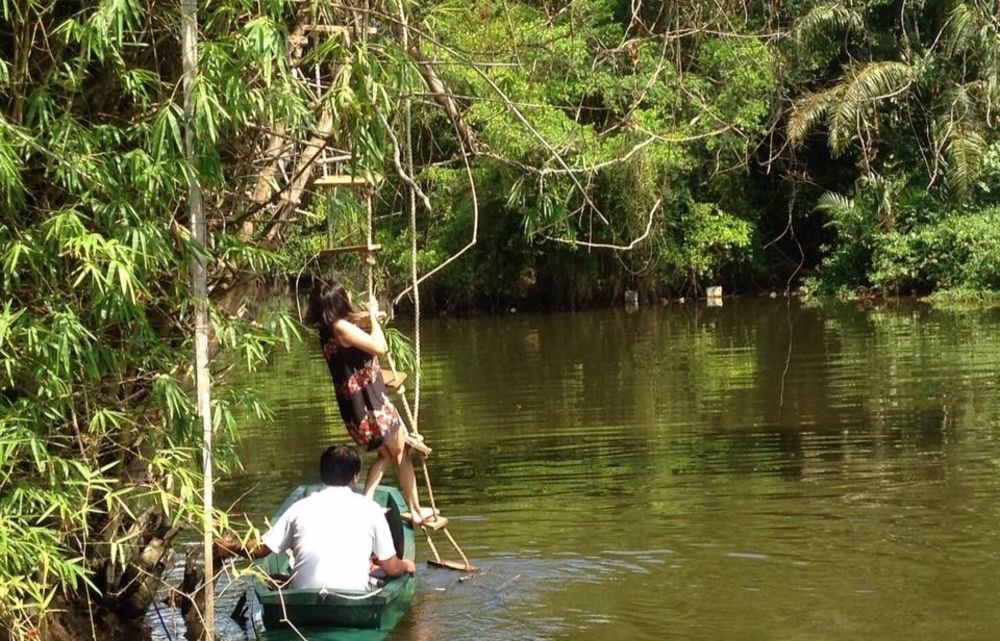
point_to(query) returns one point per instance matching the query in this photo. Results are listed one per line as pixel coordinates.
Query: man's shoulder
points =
(349, 500)
(362, 507)
(293, 510)
(362, 502)
(313, 501)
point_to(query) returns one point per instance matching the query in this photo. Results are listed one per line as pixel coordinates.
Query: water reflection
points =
(761, 470)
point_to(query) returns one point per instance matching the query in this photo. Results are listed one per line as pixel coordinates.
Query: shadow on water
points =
(759, 471)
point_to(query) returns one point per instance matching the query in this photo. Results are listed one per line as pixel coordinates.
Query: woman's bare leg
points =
(377, 471)
(408, 483)
(400, 453)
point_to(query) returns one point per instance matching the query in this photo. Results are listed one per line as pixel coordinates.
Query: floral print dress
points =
(357, 380)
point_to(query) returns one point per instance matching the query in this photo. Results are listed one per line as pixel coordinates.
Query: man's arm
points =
(394, 566)
(385, 551)
(229, 546)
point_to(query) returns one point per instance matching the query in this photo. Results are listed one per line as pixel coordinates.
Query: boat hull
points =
(320, 615)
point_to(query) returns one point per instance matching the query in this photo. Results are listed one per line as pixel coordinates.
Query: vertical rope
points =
(414, 277)
(412, 414)
(369, 257)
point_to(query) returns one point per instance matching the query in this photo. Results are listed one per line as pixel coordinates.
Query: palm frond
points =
(834, 204)
(828, 19)
(972, 31)
(862, 89)
(809, 111)
(963, 151)
(960, 30)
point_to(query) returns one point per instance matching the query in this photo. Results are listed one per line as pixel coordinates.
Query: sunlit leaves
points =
(17, 255)
(915, 109)
(167, 136)
(743, 80)
(810, 111)
(11, 183)
(712, 233)
(964, 150)
(265, 43)
(591, 124)
(837, 206)
(102, 29)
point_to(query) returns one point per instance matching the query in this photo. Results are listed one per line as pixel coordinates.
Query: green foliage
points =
(911, 108)
(97, 427)
(988, 184)
(896, 238)
(828, 20)
(741, 72)
(651, 150)
(964, 299)
(589, 115)
(961, 252)
(584, 135)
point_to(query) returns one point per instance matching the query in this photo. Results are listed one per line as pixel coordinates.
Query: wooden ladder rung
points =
(329, 160)
(417, 443)
(393, 380)
(453, 565)
(325, 28)
(435, 523)
(347, 249)
(346, 181)
(332, 28)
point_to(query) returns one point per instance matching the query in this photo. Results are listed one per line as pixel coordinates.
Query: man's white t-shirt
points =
(332, 534)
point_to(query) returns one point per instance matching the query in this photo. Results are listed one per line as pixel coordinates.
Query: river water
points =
(763, 470)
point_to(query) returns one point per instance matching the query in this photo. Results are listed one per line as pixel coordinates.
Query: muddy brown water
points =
(763, 470)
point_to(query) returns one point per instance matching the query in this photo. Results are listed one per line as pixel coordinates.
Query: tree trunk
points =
(199, 287)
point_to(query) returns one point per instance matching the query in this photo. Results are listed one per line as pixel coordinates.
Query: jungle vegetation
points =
(562, 150)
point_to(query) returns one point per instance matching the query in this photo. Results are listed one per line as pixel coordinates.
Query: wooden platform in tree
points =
(338, 29)
(345, 181)
(350, 249)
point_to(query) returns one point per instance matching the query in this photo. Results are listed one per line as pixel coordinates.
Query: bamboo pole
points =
(199, 286)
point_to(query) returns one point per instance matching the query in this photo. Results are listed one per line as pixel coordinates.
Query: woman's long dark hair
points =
(328, 303)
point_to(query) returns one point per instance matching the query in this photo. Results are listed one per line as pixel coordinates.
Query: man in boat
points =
(334, 534)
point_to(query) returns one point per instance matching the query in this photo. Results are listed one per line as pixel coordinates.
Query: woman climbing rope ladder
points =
(352, 354)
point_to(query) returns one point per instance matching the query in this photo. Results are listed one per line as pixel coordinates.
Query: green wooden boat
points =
(336, 615)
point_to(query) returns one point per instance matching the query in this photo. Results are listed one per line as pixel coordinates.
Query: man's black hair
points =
(339, 465)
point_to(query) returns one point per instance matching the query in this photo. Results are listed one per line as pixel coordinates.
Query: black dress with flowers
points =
(357, 380)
